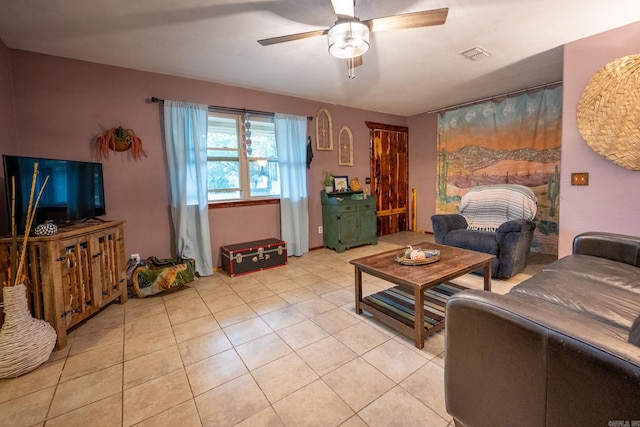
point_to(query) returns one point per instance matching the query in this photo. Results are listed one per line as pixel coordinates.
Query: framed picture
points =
(340, 183)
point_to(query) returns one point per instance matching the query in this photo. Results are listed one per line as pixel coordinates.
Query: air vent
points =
(476, 53)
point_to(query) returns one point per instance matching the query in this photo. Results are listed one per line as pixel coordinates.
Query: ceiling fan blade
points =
(292, 37)
(425, 18)
(344, 8)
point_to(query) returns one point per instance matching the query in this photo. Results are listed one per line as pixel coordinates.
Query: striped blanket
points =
(486, 207)
(399, 304)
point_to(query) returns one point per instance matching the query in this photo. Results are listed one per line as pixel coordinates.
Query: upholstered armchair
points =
(494, 219)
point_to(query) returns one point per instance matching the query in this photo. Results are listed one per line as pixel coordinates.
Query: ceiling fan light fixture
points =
(348, 39)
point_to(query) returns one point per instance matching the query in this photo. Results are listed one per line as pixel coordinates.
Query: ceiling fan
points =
(349, 37)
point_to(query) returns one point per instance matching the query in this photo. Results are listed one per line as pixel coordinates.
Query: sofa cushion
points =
(612, 273)
(588, 294)
(475, 240)
(485, 207)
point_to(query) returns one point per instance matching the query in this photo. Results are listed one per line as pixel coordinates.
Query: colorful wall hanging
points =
(515, 141)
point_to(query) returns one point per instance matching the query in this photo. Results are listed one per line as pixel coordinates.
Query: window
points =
(242, 161)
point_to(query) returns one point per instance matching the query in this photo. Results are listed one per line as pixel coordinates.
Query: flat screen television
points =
(74, 192)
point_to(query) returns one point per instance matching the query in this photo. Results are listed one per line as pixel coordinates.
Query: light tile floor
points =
(273, 348)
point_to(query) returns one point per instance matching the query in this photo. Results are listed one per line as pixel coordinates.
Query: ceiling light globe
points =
(348, 39)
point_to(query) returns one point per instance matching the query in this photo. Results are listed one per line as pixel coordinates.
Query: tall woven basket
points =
(25, 342)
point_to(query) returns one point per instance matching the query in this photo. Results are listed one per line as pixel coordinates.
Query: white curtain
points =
(185, 132)
(291, 135)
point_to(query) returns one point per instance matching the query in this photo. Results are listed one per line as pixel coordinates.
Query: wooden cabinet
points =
(348, 222)
(74, 273)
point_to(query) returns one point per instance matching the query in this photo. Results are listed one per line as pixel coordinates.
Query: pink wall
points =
(60, 105)
(610, 202)
(7, 116)
(423, 131)
(7, 127)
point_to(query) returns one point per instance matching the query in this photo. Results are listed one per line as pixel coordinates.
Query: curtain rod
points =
(466, 104)
(231, 110)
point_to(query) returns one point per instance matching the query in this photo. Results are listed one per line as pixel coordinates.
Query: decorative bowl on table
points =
(418, 256)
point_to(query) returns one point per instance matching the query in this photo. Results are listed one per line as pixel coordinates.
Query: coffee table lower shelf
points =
(396, 307)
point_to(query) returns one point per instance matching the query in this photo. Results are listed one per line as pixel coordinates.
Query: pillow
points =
(158, 275)
(486, 207)
(634, 332)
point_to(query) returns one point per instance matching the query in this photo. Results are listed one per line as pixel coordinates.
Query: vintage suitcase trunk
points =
(244, 258)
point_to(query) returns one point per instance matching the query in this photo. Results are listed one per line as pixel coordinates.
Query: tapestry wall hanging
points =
(516, 141)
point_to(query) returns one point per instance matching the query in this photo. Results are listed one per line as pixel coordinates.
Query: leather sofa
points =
(560, 349)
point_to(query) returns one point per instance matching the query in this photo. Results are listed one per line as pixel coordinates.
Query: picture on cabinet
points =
(341, 183)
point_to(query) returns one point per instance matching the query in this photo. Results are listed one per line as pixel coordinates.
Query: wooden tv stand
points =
(73, 273)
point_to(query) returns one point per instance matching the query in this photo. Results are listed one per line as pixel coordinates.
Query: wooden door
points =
(389, 149)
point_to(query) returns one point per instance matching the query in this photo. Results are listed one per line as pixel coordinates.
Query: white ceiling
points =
(405, 72)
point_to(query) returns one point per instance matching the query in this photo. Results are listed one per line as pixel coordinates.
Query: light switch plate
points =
(580, 178)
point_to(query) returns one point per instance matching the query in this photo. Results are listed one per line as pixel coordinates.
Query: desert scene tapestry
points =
(516, 141)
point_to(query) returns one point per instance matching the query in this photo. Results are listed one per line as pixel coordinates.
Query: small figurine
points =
(355, 185)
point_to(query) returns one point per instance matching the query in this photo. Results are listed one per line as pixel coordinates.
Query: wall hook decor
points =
(119, 139)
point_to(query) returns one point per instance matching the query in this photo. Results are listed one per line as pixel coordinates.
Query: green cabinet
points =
(348, 222)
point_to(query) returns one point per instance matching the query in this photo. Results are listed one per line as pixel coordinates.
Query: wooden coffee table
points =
(396, 306)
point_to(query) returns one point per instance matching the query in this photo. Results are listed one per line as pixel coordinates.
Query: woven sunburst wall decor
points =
(609, 112)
